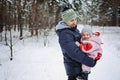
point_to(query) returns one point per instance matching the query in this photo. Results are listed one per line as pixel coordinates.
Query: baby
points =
(91, 45)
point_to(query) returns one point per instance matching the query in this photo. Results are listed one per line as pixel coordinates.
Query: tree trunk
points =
(20, 20)
(11, 46)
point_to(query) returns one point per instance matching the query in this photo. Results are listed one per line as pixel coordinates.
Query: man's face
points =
(72, 22)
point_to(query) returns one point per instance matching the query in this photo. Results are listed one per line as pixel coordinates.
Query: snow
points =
(70, 1)
(34, 61)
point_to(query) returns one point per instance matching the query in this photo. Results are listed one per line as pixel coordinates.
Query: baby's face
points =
(85, 35)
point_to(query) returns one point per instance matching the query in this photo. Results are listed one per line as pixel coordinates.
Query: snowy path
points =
(35, 64)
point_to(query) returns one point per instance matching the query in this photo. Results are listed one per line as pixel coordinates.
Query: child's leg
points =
(72, 78)
(84, 75)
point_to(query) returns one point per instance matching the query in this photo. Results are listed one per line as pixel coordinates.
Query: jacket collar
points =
(62, 25)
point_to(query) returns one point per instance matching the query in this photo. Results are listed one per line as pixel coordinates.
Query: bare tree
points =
(1, 19)
(11, 46)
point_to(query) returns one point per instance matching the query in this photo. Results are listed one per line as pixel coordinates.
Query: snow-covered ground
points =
(33, 61)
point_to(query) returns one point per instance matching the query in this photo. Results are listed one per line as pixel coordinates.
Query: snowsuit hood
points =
(96, 39)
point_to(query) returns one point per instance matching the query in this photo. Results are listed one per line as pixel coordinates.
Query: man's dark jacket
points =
(73, 56)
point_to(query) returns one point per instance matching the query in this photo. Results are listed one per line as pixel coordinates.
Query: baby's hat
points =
(87, 29)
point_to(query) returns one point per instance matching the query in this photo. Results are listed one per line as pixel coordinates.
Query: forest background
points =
(40, 16)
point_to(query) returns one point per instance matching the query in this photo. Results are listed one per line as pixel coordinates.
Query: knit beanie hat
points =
(68, 15)
(87, 29)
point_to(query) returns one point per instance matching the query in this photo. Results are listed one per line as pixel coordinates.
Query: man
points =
(68, 34)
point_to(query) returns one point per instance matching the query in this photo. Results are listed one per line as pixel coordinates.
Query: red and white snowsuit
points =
(92, 48)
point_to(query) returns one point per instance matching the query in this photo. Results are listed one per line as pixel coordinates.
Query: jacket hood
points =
(61, 25)
(96, 39)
